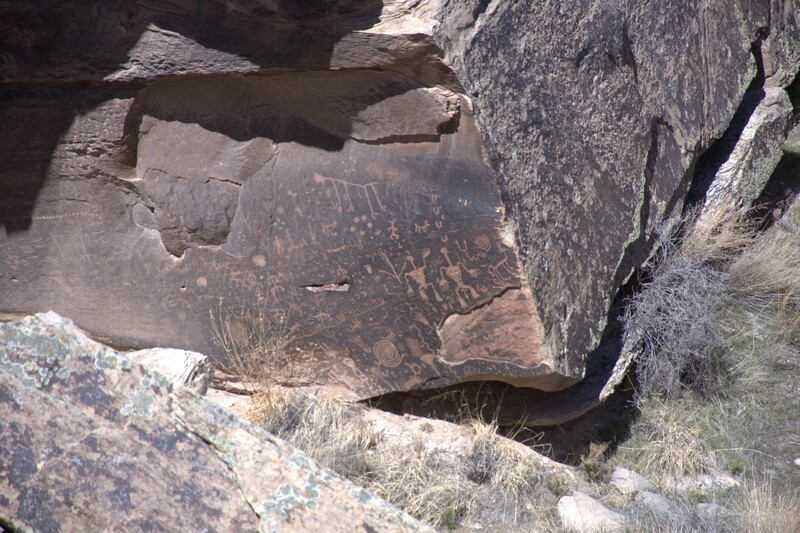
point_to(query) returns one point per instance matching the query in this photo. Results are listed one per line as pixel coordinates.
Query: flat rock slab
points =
(90, 442)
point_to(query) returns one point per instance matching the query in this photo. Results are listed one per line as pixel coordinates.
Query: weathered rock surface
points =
(581, 512)
(182, 367)
(316, 170)
(756, 153)
(91, 442)
(629, 482)
(655, 503)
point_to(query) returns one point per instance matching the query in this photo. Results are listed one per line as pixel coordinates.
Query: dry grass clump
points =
(666, 442)
(330, 431)
(764, 511)
(254, 345)
(403, 475)
(337, 435)
(511, 472)
(446, 486)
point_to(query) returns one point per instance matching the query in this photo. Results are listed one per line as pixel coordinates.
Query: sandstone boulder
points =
(91, 442)
(411, 195)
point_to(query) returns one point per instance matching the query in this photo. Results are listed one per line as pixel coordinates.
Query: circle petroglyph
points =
(259, 260)
(386, 352)
(483, 243)
(202, 281)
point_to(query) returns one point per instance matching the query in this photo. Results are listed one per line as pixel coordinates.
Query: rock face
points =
(307, 181)
(594, 122)
(90, 442)
(175, 172)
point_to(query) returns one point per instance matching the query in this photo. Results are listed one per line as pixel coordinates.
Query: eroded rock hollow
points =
(414, 194)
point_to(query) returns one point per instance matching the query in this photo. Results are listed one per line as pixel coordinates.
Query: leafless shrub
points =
(674, 318)
(675, 315)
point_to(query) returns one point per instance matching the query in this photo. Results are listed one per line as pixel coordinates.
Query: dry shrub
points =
(764, 511)
(676, 316)
(258, 349)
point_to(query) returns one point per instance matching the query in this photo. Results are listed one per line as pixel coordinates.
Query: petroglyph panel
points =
(222, 207)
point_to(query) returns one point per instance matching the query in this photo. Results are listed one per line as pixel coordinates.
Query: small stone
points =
(797, 461)
(712, 512)
(656, 503)
(583, 513)
(182, 367)
(629, 482)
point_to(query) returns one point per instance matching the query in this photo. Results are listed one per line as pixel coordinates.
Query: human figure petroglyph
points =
(501, 266)
(453, 271)
(393, 230)
(341, 189)
(463, 247)
(417, 275)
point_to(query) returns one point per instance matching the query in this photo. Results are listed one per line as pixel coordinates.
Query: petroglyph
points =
(387, 353)
(453, 271)
(364, 249)
(342, 188)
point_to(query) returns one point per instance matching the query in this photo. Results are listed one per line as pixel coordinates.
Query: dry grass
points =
(667, 443)
(719, 325)
(403, 475)
(512, 472)
(259, 349)
(764, 511)
(501, 480)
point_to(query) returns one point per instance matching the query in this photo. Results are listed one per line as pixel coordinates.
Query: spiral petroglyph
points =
(387, 353)
(483, 243)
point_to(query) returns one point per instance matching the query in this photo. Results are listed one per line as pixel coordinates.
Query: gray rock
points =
(91, 442)
(629, 482)
(713, 513)
(182, 367)
(582, 513)
(757, 152)
(594, 122)
(655, 503)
